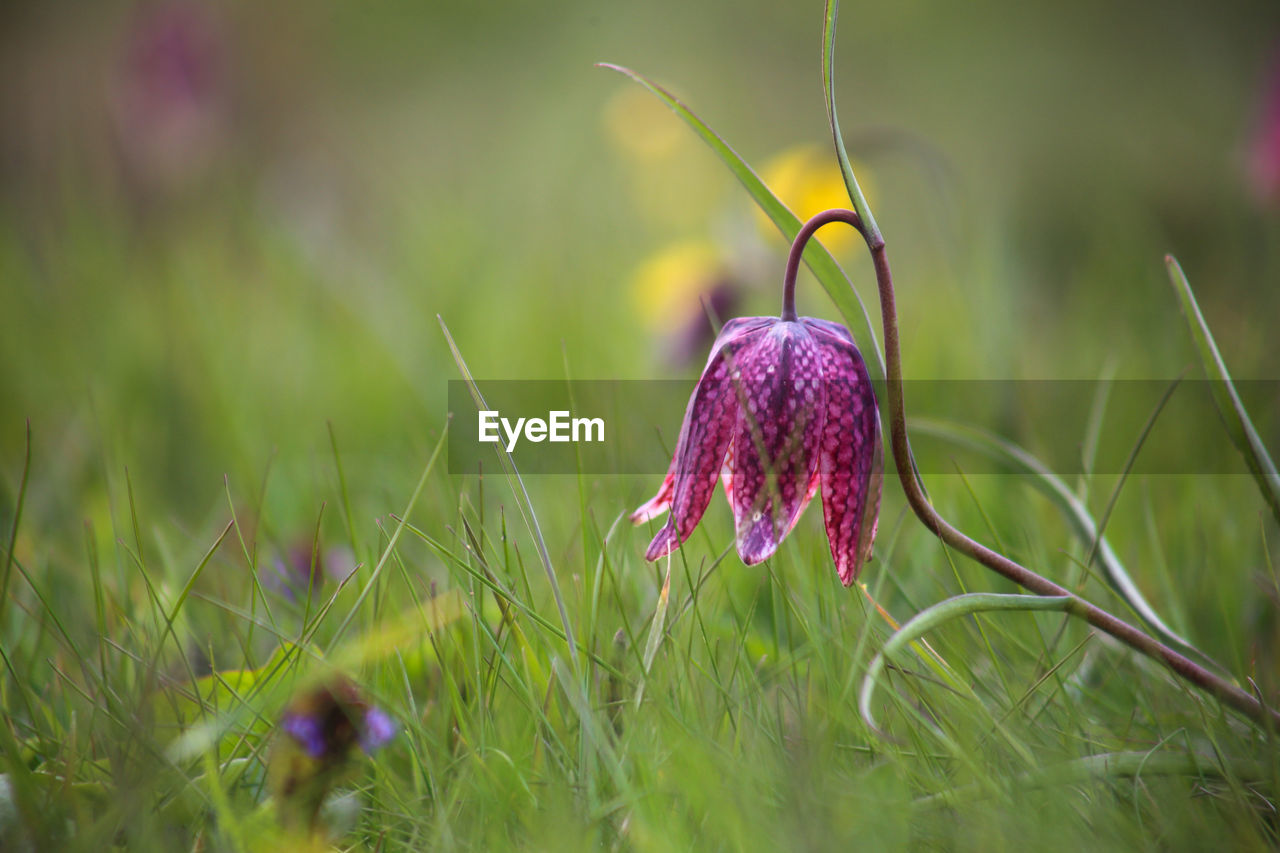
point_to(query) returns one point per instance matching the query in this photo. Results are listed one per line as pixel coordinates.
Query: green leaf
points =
(944, 611)
(1233, 412)
(226, 706)
(830, 14)
(819, 260)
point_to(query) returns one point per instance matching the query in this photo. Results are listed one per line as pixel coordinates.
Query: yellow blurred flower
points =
(807, 179)
(668, 287)
(683, 293)
(642, 126)
(668, 180)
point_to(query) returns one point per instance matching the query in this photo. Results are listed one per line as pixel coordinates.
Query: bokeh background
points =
(224, 225)
(227, 230)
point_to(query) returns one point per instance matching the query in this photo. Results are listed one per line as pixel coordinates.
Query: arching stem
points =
(1131, 636)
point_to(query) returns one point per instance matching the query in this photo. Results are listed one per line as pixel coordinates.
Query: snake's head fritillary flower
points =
(784, 409)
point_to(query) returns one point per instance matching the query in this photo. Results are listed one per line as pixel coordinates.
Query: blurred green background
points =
(226, 232)
(224, 224)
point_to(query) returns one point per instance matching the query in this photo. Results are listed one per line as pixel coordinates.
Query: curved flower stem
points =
(1219, 687)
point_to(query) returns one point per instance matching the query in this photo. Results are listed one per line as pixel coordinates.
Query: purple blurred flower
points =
(720, 300)
(327, 721)
(682, 292)
(308, 731)
(1264, 153)
(784, 408)
(295, 574)
(171, 95)
(319, 734)
(379, 729)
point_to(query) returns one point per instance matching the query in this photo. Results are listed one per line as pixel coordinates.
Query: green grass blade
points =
(187, 587)
(1234, 415)
(1116, 765)
(830, 14)
(819, 260)
(13, 531)
(1093, 429)
(1128, 468)
(1077, 514)
(525, 506)
(655, 631)
(944, 611)
(391, 543)
(342, 489)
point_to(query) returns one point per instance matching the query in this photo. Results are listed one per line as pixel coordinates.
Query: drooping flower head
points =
(784, 410)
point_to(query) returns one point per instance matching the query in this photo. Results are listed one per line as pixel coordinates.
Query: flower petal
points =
(704, 438)
(778, 437)
(307, 731)
(726, 475)
(659, 503)
(379, 729)
(732, 333)
(817, 325)
(852, 457)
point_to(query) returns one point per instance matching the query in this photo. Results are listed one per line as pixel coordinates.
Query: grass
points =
(722, 717)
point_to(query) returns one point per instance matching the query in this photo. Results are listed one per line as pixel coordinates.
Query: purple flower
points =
(1264, 154)
(296, 574)
(327, 721)
(299, 571)
(379, 729)
(171, 99)
(692, 337)
(784, 408)
(308, 731)
(320, 731)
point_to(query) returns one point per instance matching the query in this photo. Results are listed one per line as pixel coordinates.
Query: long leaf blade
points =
(830, 14)
(944, 611)
(1234, 415)
(819, 260)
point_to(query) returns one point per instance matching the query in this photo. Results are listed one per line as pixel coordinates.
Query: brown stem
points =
(1219, 687)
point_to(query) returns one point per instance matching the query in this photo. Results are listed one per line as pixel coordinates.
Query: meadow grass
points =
(708, 706)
